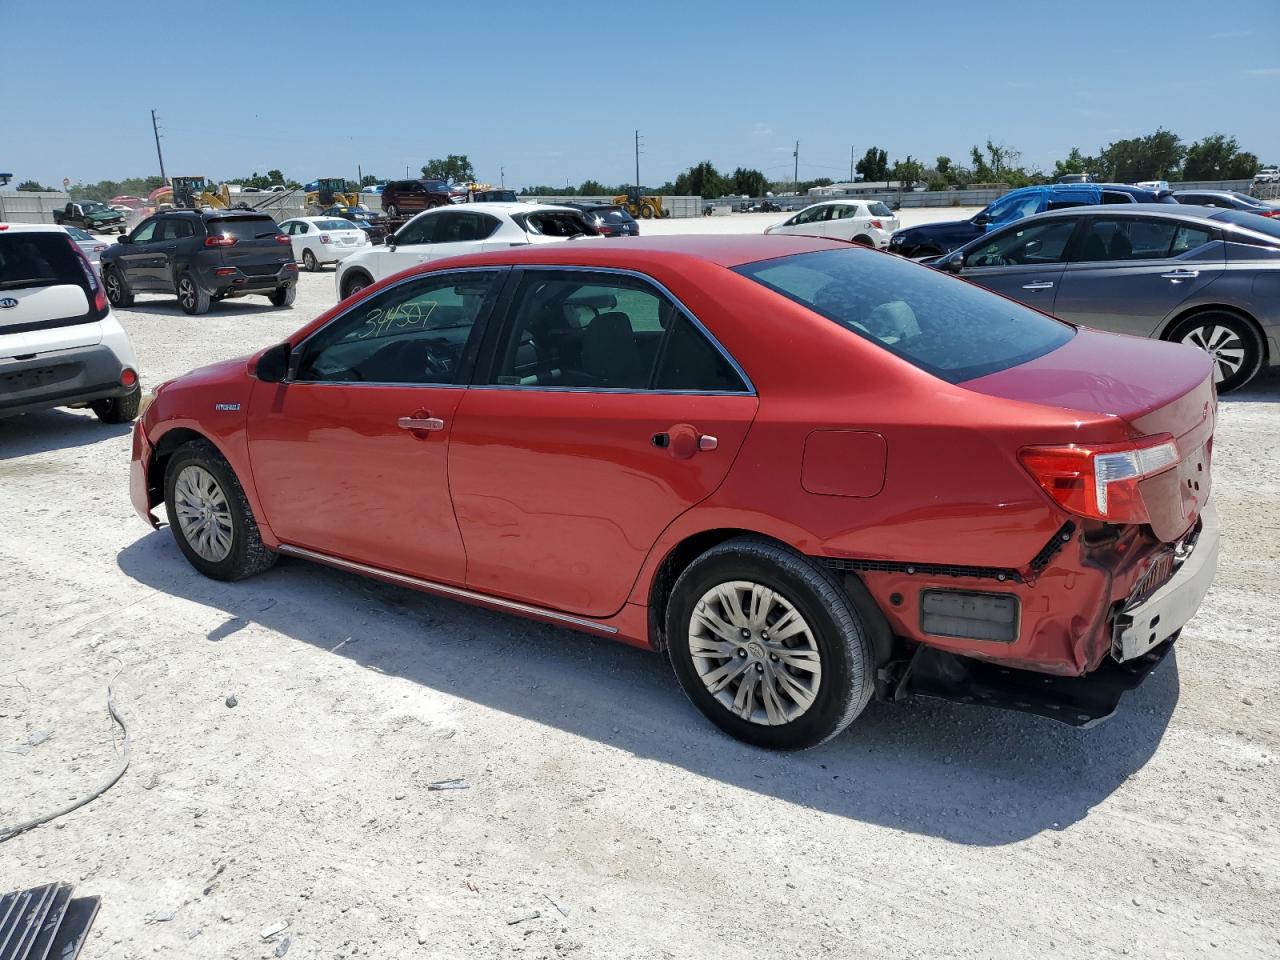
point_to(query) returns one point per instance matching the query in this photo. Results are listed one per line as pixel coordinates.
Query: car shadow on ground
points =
(1264, 388)
(168, 306)
(969, 775)
(55, 429)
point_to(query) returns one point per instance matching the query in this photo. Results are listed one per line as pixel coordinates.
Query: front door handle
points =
(1177, 275)
(1038, 285)
(420, 423)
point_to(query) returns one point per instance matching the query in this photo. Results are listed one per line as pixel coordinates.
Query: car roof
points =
(640, 253)
(31, 228)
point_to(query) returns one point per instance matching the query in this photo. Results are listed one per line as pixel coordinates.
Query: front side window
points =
(1035, 243)
(145, 232)
(953, 330)
(604, 331)
(413, 333)
(419, 230)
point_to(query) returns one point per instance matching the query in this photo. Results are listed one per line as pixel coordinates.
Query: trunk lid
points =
(1151, 386)
(256, 251)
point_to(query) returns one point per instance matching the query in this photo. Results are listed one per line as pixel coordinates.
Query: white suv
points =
(60, 345)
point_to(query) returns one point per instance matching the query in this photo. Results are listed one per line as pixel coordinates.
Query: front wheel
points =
(354, 284)
(117, 293)
(284, 296)
(191, 297)
(768, 645)
(210, 515)
(1231, 342)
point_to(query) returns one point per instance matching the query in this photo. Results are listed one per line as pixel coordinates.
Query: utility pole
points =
(502, 176)
(796, 179)
(851, 152)
(155, 128)
(637, 159)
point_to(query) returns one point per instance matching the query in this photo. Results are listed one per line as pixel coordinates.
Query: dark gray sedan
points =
(1204, 276)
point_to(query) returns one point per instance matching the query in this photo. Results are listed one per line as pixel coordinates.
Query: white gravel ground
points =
(604, 818)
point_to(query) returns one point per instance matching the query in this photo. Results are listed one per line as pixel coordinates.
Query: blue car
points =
(935, 239)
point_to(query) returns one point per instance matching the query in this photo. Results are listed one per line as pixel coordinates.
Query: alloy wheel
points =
(203, 513)
(113, 287)
(755, 652)
(1222, 344)
(187, 293)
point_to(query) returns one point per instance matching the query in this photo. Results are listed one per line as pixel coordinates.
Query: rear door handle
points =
(684, 441)
(1038, 285)
(1181, 274)
(420, 423)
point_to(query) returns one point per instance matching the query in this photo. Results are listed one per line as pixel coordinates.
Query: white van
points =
(60, 345)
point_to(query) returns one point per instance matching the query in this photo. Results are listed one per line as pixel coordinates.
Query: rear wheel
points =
(191, 297)
(309, 261)
(119, 409)
(768, 645)
(283, 296)
(863, 240)
(210, 515)
(354, 283)
(1231, 342)
(117, 293)
(393, 210)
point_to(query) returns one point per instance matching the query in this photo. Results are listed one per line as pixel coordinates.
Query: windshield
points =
(952, 329)
(1012, 207)
(1254, 221)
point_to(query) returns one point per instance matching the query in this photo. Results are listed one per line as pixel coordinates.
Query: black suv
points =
(609, 219)
(201, 256)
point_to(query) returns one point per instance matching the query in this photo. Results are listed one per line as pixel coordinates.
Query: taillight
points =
(128, 377)
(875, 225)
(225, 272)
(283, 238)
(99, 247)
(1101, 480)
(219, 240)
(98, 291)
(324, 238)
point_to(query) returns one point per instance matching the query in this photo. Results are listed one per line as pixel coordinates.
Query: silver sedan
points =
(1205, 276)
(90, 244)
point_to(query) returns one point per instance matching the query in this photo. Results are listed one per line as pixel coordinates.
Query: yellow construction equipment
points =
(331, 191)
(640, 205)
(195, 193)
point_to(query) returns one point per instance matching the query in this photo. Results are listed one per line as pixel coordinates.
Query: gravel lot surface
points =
(603, 816)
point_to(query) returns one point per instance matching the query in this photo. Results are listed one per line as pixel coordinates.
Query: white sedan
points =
(868, 222)
(320, 240)
(453, 231)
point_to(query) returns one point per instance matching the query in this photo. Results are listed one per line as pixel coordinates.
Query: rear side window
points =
(553, 224)
(38, 260)
(1243, 218)
(245, 228)
(1113, 196)
(879, 209)
(953, 330)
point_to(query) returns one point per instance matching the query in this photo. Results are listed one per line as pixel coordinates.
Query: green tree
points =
(1157, 156)
(34, 186)
(943, 165)
(453, 168)
(1075, 162)
(369, 180)
(752, 183)
(874, 165)
(907, 171)
(1216, 157)
(275, 176)
(593, 188)
(701, 181)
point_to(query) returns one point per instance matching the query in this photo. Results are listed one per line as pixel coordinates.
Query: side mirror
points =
(124, 238)
(390, 241)
(273, 364)
(954, 263)
(981, 220)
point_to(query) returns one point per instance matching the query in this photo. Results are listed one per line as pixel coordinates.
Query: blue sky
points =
(553, 91)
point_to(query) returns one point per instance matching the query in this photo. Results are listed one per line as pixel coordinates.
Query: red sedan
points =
(810, 474)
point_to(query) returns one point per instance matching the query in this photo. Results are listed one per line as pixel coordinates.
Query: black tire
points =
(354, 283)
(191, 298)
(122, 296)
(283, 296)
(863, 240)
(393, 210)
(119, 409)
(247, 555)
(310, 262)
(1229, 339)
(843, 649)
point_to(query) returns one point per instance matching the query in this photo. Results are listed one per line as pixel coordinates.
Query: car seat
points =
(610, 353)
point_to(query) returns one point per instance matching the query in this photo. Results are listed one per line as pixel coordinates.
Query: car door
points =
(412, 246)
(137, 258)
(844, 222)
(170, 233)
(350, 453)
(1023, 261)
(1129, 274)
(599, 413)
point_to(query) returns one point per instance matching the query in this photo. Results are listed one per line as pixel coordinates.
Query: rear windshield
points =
(77, 234)
(554, 224)
(1254, 221)
(245, 228)
(39, 260)
(952, 329)
(879, 209)
(334, 225)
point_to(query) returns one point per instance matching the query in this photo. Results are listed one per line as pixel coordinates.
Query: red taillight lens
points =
(128, 377)
(875, 225)
(219, 240)
(224, 272)
(292, 265)
(1101, 480)
(282, 238)
(324, 238)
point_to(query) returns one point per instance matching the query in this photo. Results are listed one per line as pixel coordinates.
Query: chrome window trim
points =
(432, 586)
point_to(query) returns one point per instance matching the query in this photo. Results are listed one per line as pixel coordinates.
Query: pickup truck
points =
(90, 215)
